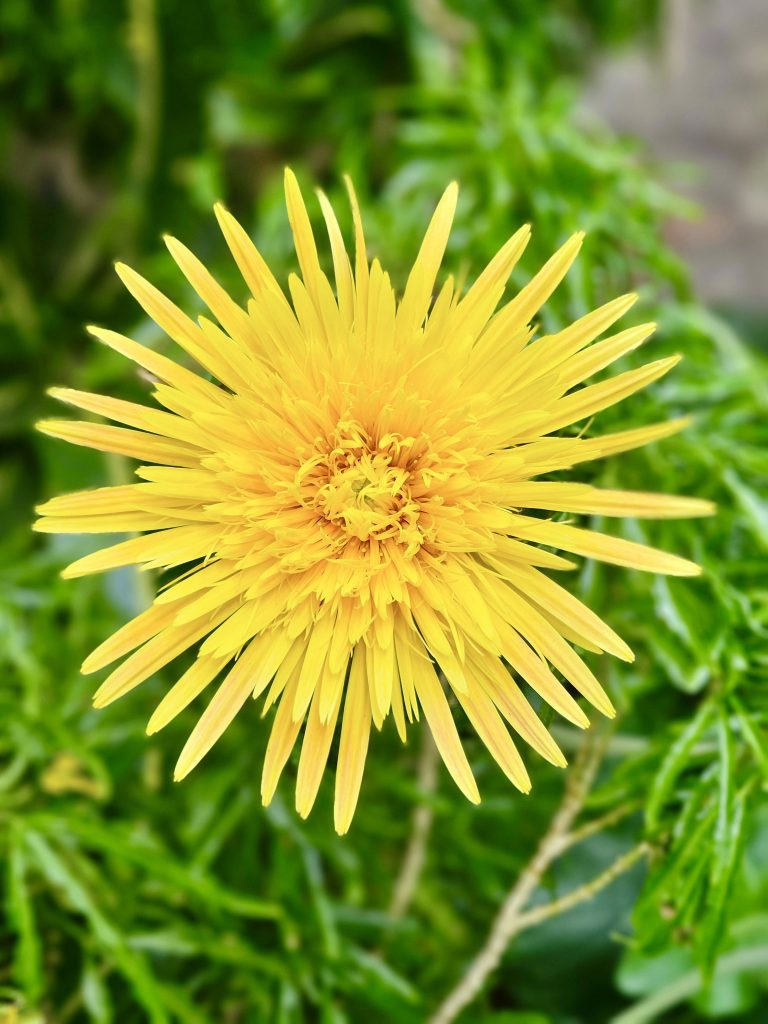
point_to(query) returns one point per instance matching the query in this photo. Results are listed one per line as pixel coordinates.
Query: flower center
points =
(366, 497)
(363, 488)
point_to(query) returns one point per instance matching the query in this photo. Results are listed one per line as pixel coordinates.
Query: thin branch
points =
(505, 926)
(591, 828)
(583, 893)
(421, 825)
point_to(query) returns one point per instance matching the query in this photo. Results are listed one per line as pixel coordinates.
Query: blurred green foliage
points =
(128, 899)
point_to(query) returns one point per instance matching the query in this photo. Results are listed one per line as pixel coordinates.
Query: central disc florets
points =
(363, 487)
(366, 495)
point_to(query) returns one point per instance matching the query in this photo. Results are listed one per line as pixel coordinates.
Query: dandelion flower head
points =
(348, 495)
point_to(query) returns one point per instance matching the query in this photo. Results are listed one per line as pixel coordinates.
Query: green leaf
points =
(753, 506)
(755, 744)
(76, 895)
(674, 762)
(157, 863)
(27, 954)
(378, 971)
(96, 995)
(727, 844)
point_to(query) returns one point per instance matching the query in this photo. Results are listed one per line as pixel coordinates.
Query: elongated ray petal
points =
(440, 720)
(609, 549)
(421, 282)
(229, 698)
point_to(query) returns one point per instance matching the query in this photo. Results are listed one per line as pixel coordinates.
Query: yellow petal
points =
(380, 668)
(176, 324)
(133, 634)
(231, 317)
(229, 698)
(475, 308)
(549, 352)
(166, 547)
(508, 698)
(615, 550)
(583, 498)
(153, 420)
(480, 710)
(443, 728)
(577, 369)
(353, 746)
(250, 262)
(153, 655)
(530, 299)
(345, 289)
(596, 397)
(626, 440)
(537, 674)
(132, 443)
(545, 592)
(159, 365)
(314, 756)
(120, 522)
(361, 256)
(421, 281)
(550, 644)
(312, 667)
(190, 685)
(303, 238)
(100, 501)
(281, 742)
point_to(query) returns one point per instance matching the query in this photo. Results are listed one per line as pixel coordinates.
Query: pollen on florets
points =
(362, 487)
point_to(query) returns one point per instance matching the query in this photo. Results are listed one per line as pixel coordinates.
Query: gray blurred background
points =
(698, 95)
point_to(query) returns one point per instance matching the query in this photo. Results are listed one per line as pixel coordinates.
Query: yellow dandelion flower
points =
(350, 490)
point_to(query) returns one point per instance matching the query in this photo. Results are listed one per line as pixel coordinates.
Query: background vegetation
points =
(128, 899)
